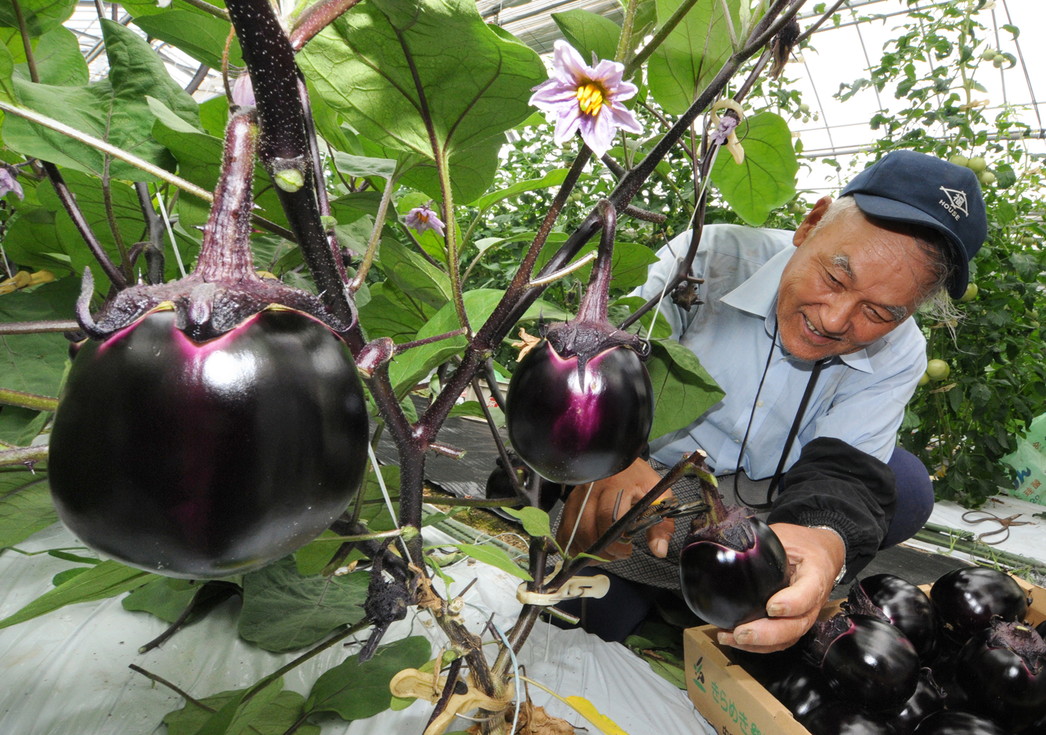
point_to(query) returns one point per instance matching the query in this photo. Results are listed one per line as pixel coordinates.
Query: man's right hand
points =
(632, 483)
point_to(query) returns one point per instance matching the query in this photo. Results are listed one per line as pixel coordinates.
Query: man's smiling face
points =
(849, 284)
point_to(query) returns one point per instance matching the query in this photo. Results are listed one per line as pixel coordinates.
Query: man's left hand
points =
(815, 556)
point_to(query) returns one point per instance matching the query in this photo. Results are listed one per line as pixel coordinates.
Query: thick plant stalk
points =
(284, 148)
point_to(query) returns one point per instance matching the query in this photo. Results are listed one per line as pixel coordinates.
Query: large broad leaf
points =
(35, 363)
(589, 33)
(356, 690)
(392, 313)
(283, 611)
(107, 579)
(164, 597)
(272, 711)
(56, 55)
(693, 53)
(25, 506)
(766, 178)
(39, 16)
(200, 35)
(427, 77)
(114, 110)
(683, 390)
(414, 275)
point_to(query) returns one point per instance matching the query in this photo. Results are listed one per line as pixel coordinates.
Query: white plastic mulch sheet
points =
(67, 673)
(1026, 539)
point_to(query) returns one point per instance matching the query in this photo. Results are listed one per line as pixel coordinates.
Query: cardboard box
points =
(736, 704)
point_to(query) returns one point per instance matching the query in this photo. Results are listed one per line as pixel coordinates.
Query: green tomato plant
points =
(964, 426)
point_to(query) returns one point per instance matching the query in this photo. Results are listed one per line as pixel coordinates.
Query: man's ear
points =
(810, 221)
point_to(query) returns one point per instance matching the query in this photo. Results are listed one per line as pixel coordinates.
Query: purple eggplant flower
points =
(423, 218)
(243, 91)
(586, 98)
(9, 182)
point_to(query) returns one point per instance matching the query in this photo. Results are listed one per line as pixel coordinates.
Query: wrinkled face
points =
(849, 284)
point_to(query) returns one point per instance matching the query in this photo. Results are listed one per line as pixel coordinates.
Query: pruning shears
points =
(659, 511)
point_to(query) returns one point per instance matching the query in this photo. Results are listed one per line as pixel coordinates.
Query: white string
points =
(170, 233)
(690, 227)
(385, 494)
(577, 521)
(515, 671)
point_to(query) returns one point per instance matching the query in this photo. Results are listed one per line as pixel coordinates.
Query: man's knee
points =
(915, 497)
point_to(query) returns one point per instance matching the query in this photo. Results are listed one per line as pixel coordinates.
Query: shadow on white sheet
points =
(67, 673)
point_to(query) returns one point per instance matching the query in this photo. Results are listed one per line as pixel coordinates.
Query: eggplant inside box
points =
(736, 704)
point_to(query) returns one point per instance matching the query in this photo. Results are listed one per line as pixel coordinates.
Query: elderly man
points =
(818, 356)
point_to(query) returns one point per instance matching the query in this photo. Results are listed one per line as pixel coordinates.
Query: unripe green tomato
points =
(938, 369)
(987, 178)
(924, 379)
(977, 164)
(970, 293)
(998, 61)
(959, 160)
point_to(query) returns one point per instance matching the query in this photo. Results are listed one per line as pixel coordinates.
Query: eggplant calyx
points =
(823, 634)
(585, 340)
(1019, 638)
(205, 310)
(858, 602)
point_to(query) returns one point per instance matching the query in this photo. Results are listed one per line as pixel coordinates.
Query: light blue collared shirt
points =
(859, 397)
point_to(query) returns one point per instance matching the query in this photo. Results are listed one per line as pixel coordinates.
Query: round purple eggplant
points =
(207, 459)
(1003, 672)
(802, 689)
(907, 607)
(728, 571)
(840, 718)
(966, 600)
(575, 421)
(928, 698)
(949, 722)
(865, 660)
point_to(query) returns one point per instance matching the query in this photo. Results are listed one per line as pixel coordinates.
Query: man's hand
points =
(598, 515)
(815, 556)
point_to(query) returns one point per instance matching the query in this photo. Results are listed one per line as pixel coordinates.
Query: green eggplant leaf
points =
(107, 579)
(283, 611)
(766, 178)
(114, 110)
(427, 77)
(683, 390)
(273, 711)
(589, 33)
(25, 506)
(39, 16)
(692, 54)
(355, 690)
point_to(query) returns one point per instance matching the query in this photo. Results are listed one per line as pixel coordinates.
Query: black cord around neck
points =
(793, 431)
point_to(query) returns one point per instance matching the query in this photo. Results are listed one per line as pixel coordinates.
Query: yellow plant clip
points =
(416, 684)
(732, 143)
(24, 279)
(595, 587)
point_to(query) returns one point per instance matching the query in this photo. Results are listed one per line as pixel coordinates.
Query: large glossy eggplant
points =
(208, 459)
(580, 403)
(865, 660)
(1003, 672)
(215, 423)
(576, 421)
(904, 605)
(966, 599)
(729, 569)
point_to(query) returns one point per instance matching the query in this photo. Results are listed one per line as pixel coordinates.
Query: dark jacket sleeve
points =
(832, 484)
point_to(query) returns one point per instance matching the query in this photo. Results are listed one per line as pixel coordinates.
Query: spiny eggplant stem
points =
(594, 305)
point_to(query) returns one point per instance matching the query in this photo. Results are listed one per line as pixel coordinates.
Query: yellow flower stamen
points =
(590, 98)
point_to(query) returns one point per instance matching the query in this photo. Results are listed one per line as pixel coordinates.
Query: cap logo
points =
(956, 202)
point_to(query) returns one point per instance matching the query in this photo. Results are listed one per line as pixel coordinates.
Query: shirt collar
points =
(757, 295)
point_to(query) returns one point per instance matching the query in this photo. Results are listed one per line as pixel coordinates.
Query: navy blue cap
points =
(910, 187)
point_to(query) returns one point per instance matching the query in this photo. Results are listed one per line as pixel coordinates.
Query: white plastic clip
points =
(595, 587)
